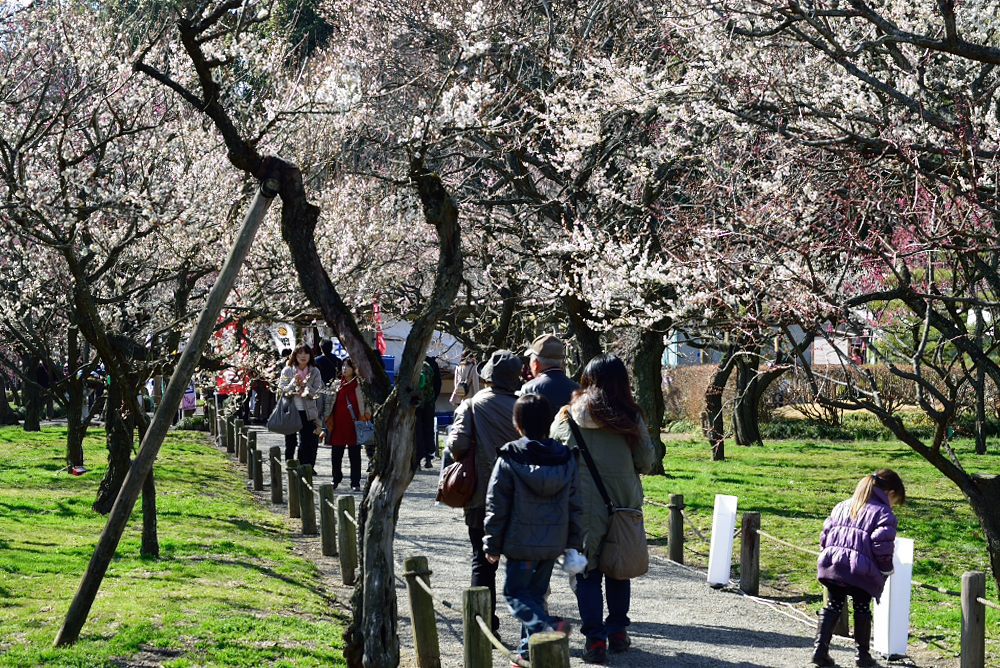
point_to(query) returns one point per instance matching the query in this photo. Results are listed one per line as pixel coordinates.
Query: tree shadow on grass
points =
(271, 573)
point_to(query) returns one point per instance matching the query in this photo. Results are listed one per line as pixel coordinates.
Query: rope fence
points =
(804, 550)
(513, 657)
(988, 604)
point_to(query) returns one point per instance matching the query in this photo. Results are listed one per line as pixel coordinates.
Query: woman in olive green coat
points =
(612, 427)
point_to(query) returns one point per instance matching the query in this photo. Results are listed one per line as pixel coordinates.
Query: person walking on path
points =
(546, 356)
(856, 546)
(483, 424)
(466, 379)
(615, 434)
(301, 379)
(533, 515)
(328, 363)
(348, 407)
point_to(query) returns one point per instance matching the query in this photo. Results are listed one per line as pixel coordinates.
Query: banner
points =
(283, 335)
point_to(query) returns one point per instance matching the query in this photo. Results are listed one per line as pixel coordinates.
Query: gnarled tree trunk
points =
(76, 426)
(120, 430)
(647, 368)
(751, 385)
(31, 395)
(713, 419)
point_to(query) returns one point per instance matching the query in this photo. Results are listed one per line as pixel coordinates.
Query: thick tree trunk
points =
(120, 429)
(31, 396)
(985, 502)
(587, 339)
(373, 637)
(648, 371)
(751, 385)
(150, 547)
(713, 419)
(76, 427)
(7, 414)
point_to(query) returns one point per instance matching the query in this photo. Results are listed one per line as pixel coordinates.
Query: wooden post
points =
(142, 465)
(843, 624)
(307, 500)
(675, 534)
(241, 453)
(292, 466)
(230, 436)
(478, 652)
(548, 650)
(327, 520)
(220, 431)
(347, 535)
(276, 484)
(973, 620)
(750, 554)
(210, 420)
(425, 633)
(251, 444)
(258, 471)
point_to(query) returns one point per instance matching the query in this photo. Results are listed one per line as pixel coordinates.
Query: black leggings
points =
(861, 599)
(308, 442)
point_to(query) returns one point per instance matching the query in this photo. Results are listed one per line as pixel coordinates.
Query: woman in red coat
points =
(340, 425)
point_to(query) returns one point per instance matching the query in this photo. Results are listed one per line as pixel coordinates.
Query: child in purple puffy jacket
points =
(856, 558)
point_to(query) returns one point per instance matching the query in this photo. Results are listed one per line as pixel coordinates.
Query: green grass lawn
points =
(227, 590)
(794, 484)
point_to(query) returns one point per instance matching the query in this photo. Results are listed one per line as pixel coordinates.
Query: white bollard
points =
(891, 623)
(720, 555)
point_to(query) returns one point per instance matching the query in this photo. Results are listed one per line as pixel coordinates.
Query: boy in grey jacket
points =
(533, 514)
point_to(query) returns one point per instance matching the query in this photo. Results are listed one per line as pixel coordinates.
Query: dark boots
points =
(863, 639)
(824, 632)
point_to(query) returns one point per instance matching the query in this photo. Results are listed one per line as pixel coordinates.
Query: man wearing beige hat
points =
(546, 356)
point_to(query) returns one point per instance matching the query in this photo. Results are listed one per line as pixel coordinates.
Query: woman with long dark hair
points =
(614, 433)
(301, 380)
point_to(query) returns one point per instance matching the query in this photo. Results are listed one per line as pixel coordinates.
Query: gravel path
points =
(677, 619)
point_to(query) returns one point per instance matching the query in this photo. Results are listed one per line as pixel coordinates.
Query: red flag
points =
(379, 335)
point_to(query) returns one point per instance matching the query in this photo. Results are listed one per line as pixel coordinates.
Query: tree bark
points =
(980, 389)
(648, 372)
(7, 414)
(76, 427)
(372, 639)
(713, 419)
(31, 395)
(120, 429)
(150, 547)
(751, 385)
(985, 502)
(587, 339)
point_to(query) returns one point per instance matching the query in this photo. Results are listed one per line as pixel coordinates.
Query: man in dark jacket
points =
(486, 422)
(546, 356)
(533, 514)
(328, 364)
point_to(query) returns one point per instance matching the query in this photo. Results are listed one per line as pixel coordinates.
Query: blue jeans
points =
(590, 600)
(525, 588)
